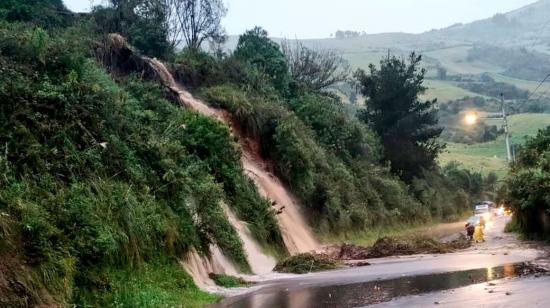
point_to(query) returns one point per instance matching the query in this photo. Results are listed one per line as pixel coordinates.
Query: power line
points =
(537, 38)
(536, 89)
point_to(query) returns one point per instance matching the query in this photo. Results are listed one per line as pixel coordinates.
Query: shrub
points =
(526, 188)
(228, 281)
(306, 263)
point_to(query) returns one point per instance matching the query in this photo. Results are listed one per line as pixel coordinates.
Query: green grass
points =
(228, 281)
(445, 91)
(491, 156)
(369, 236)
(162, 284)
(520, 83)
(363, 59)
(454, 59)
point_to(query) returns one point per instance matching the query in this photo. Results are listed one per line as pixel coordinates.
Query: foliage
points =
(49, 14)
(159, 284)
(342, 187)
(142, 22)
(489, 87)
(256, 48)
(200, 20)
(517, 62)
(306, 263)
(339, 133)
(196, 68)
(526, 188)
(314, 69)
(228, 281)
(408, 127)
(97, 175)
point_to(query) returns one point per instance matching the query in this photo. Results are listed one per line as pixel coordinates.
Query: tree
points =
(47, 14)
(527, 187)
(314, 69)
(142, 22)
(407, 126)
(196, 20)
(256, 48)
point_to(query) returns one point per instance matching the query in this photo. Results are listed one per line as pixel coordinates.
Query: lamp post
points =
(472, 118)
(506, 131)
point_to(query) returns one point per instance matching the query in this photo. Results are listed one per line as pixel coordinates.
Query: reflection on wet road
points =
(372, 292)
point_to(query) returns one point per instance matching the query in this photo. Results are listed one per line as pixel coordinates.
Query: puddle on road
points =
(373, 292)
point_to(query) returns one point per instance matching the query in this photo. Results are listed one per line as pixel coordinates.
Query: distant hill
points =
(525, 27)
(507, 53)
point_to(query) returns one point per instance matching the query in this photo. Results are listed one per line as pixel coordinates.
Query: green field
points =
(520, 83)
(491, 156)
(454, 59)
(445, 91)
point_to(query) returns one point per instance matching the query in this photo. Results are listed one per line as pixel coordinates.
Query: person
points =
(470, 228)
(478, 233)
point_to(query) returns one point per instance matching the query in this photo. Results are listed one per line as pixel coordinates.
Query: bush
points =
(228, 281)
(526, 189)
(158, 284)
(97, 175)
(340, 185)
(306, 263)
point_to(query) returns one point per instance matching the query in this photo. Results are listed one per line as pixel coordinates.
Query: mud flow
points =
(374, 292)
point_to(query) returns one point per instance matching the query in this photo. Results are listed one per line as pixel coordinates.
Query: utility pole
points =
(506, 131)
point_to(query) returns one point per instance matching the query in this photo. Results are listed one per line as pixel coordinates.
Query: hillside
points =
(132, 174)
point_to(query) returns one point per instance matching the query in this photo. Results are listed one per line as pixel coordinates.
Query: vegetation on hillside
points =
(526, 188)
(105, 183)
(407, 126)
(101, 178)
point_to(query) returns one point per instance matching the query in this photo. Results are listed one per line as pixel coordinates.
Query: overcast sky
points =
(320, 18)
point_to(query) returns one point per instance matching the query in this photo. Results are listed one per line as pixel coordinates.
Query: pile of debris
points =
(390, 246)
(307, 263)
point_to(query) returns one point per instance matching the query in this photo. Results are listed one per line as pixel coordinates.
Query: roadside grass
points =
(491, 156)
(228, 281)
(162, 284)
(369, 236)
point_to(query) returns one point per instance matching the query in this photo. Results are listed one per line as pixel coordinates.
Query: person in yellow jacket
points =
(478, 234)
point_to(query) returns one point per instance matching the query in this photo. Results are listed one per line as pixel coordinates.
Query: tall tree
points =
(407, 126)
(142, 22)
(197, 20)
(315, 69)
(256, 48)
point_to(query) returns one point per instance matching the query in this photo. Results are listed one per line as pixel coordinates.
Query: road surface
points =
(454, 279)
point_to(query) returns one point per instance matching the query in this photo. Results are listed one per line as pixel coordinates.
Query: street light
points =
(472, 118)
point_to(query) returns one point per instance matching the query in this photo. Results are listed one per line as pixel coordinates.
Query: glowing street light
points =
(471, 118)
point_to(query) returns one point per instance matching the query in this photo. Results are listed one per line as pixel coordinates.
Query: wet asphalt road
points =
(388, 280)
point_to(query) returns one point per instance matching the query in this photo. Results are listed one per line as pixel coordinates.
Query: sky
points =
(319, 18)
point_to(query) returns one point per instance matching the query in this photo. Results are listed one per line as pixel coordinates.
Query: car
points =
(473, 220)
(483, 209)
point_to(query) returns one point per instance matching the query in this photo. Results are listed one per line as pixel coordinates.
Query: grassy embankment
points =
(436, 229)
